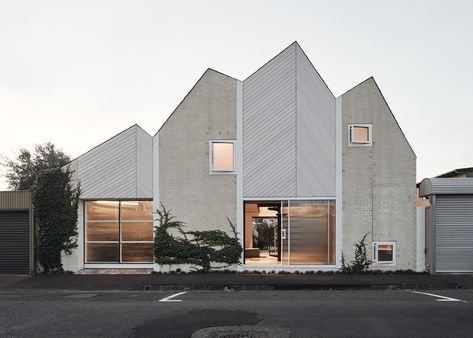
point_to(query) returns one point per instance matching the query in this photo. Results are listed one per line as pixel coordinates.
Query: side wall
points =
(185, 186)
(75, 261)
(378, 182)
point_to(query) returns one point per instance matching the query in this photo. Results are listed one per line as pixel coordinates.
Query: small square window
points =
(222, 156)
(359, 134)
(384, 253)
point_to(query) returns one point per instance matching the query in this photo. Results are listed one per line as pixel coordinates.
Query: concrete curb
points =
(289, 287)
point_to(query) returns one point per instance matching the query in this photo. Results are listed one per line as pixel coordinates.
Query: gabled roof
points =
(298, 47)
(98, 145)
(190, 91)
(121, 167)
(371, 78)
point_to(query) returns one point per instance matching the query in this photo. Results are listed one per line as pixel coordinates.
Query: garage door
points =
(14, 242)
(454, 233)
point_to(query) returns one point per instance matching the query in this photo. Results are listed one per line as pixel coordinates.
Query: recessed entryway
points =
(290, 232)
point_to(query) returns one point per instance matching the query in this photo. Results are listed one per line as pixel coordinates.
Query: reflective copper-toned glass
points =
(137, 252)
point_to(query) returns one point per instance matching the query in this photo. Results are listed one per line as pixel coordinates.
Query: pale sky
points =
(78, 72)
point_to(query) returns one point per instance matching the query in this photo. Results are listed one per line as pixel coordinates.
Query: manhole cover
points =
(244, 331)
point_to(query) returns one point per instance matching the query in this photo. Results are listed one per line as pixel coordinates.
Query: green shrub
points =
(212, 249)
(360, 263)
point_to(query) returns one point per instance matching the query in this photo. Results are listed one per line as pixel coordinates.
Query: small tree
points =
(55, 203)
(361, 262)
(197, 248)
(22, 171)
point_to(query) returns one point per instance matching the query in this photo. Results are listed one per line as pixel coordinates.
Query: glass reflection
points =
(309, 232)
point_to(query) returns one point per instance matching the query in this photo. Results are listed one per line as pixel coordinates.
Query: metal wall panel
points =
(453, 233)
(316, 132)
(15, 200)
(434, 186)
(118, 168)
(269, 128)
(14, 242)
(289, 130)
(144, 164)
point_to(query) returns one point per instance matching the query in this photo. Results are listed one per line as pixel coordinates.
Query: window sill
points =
(384, 264)
(222, 172)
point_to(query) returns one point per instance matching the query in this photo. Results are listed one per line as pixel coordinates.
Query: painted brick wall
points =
(199, 199)
(75, 261)
(379, 182)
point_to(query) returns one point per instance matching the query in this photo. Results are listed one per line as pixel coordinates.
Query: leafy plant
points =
(55, 205)
(21, 172)
(212, 249)
(360, 263)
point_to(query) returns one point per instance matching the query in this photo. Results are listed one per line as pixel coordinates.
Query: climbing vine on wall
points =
(212, 249)
(55, 206)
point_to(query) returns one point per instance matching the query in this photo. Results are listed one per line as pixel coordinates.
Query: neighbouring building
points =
(448, 221)
(302, 173)
(16, 232)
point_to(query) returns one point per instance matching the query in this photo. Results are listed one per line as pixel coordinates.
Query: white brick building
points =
(302, 174)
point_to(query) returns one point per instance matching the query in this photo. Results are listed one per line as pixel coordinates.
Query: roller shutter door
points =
(14, 242)
(454, 233)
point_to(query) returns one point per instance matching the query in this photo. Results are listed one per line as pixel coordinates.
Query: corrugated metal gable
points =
(144, 164)
(118, 168)
(289, 141)
(316, 132)
(269, 130)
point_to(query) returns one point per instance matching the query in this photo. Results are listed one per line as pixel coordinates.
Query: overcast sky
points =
(78, 72)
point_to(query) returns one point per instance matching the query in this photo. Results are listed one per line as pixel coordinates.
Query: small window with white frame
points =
(359, 135)
(222, 156)
(384, 253)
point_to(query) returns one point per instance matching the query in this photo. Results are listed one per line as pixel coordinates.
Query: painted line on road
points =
(439, 298)
(171, 297)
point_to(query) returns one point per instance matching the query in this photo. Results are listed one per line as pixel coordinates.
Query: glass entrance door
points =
(290, 232)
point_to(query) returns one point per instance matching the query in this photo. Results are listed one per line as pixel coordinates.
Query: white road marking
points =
(170, 298)
(440, 298)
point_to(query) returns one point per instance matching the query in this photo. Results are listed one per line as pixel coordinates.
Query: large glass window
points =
(304, 232)
(222, 156)
(118, 232)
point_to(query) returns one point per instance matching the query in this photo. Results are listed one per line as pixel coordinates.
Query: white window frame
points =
(224, 172)
(369, 143)
(120, 241)
(375, 253)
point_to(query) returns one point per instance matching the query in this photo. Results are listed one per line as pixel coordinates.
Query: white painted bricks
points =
(378, 182)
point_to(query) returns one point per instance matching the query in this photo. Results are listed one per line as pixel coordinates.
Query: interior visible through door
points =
(290, 232)
(262, 232)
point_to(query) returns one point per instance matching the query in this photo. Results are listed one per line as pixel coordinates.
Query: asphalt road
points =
(302, 313)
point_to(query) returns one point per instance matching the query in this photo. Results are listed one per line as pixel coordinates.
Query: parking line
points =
(440, 298)
(170, 298)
